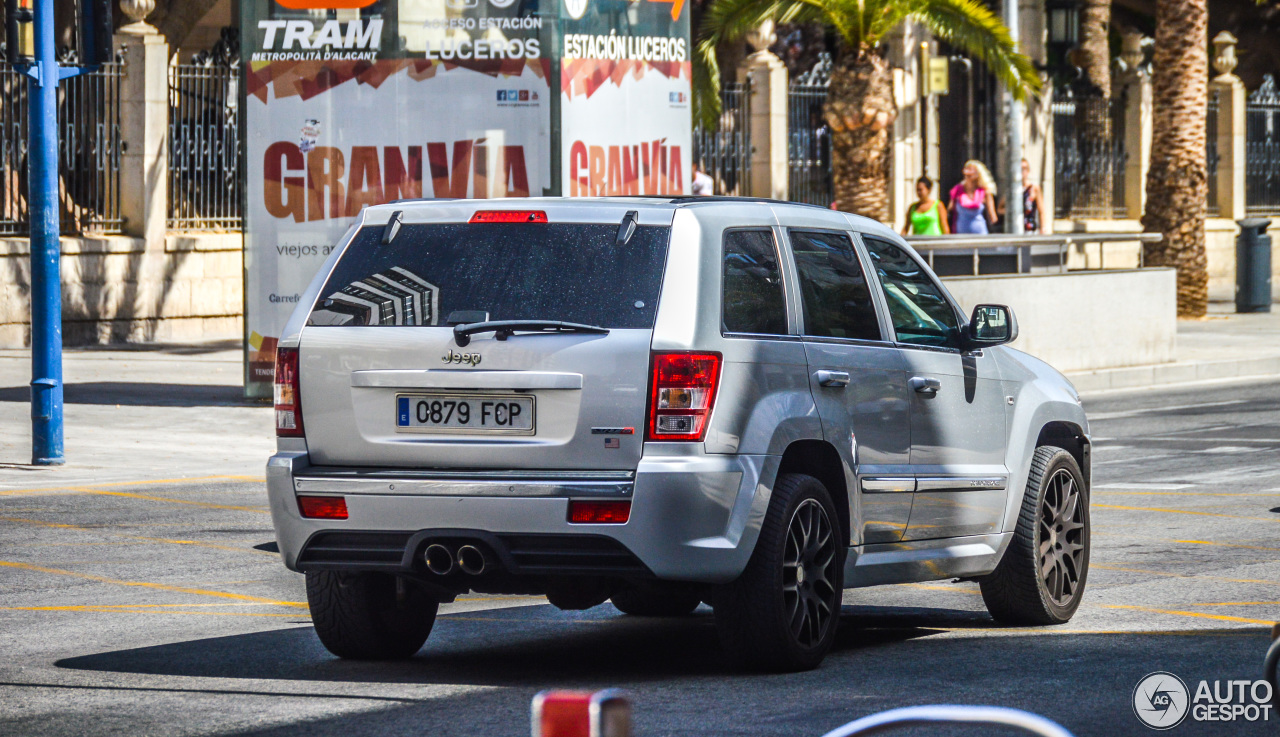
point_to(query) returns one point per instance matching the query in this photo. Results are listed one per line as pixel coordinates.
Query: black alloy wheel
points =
(807, 573)
(781, 614)
(1061, 538)
(1041, 576)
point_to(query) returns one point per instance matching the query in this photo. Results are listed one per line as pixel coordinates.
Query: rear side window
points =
(833, 289)
(512, 271)
(753, 301)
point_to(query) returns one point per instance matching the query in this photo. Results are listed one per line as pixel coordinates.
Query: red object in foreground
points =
(322, 507)
(682, 391)
(599, 513)
(288, 399)
(582, 714)
(509, 216)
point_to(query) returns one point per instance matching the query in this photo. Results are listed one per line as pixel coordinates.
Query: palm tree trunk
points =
(1177, 181)
(860, 112)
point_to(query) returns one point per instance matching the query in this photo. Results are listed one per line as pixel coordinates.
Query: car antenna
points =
(628, 227)
(392, 228)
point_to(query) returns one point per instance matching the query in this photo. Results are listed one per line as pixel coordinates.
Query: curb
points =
(1173, 373)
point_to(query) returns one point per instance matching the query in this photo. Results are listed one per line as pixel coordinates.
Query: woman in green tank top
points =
(927, 216)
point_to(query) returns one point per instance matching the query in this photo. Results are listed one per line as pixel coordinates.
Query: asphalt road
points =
(151, 608)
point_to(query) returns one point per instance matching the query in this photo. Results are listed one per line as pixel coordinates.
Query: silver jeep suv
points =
(661, 402)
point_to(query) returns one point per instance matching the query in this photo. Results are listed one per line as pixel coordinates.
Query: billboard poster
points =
(625, 83)
(354, 106)
(349, 103)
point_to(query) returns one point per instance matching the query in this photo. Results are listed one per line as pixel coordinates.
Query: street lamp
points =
(1064, 22)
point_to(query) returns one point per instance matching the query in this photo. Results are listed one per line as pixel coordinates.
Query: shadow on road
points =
(503, 647)
(884, 659)
(141, 394)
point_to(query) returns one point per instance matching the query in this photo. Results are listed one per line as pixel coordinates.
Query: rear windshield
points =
(512, 271)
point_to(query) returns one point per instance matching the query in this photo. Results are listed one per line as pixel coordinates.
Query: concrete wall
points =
(1084, 320)
(115, 291)
(1219, 244)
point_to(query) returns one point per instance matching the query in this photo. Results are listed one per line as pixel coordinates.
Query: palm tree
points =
(1177, 180)
(860, 107)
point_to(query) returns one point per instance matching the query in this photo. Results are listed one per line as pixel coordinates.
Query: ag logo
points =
(575, 8)
(1161, 700)
(501, 3)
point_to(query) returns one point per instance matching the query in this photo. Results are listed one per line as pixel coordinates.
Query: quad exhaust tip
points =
(471, 560)
(439, 559)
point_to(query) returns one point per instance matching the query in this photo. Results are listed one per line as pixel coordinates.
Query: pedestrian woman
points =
(973, 204)
(928, 216)
(1034, 217)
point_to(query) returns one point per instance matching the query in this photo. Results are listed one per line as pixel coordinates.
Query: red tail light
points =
(322, 507)
(682, 390)
(509, 216)
(599, 513)
(287, 399)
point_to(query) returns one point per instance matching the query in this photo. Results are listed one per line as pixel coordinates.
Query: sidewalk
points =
(1225, 345)
(138, 413)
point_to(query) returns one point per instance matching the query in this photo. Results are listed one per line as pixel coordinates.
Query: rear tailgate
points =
(384, 382)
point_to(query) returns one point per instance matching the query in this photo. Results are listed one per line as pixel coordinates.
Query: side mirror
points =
(991, 325)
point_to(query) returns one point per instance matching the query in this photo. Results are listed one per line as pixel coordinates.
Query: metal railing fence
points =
(724, 152)
(1089, 156)
(205, 150)
(1262, 150)
(809, 147)
(1024, 253)
(1211, 155)
(89, 147)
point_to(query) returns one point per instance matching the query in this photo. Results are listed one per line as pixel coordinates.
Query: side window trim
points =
(961, 319)
(783, 266)
(790, 281)
(868, 273)
(877, 290)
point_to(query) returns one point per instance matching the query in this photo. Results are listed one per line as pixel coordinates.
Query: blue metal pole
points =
(46, 285)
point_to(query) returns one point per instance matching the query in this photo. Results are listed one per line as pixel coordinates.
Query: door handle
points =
(833, 378)
(926, 386)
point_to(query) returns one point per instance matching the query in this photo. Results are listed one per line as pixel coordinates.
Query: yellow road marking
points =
(1179, 511)
(952, 589)
(1225, 545)
(62, 525)
(141, 482)
(1201, 615)
(149, 585)
(99, 610)
(1109, 492)
(1181, 575)
(1238, 603)
(1241, 632)
(207, 505)
(79, 607)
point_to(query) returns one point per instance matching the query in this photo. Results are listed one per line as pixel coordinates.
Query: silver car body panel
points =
(934, 484)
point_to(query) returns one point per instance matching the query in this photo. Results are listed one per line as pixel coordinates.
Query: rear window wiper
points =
(503, 329)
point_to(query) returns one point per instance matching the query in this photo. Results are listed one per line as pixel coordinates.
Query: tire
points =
(1020, 591)
(648, 600)
(773, 617)
(359, 616)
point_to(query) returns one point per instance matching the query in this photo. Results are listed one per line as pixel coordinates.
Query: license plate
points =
(456, 413)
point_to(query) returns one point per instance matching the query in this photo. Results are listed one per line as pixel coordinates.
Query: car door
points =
(857, 378)
(957, 403)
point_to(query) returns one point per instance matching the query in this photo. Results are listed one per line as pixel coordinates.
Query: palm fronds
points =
(970, 25)
(862, 24)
